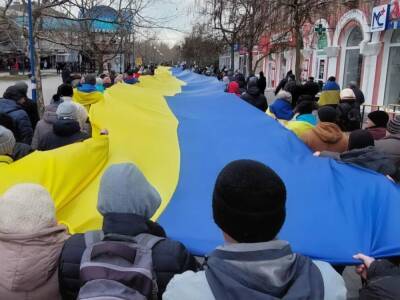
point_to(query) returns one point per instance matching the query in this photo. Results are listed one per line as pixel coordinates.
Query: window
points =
(354, 60)
(392, 91)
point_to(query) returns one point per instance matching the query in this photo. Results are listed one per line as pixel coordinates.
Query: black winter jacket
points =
(349, 116)
(22, 123)
(31, 109)
(382, 282)
(295, 90)
(169, 257)
(65, 132)
(368, 158)
(255, 98)
(262, 84)
(21, 150)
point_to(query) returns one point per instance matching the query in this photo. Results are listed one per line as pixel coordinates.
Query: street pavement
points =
(50, 83)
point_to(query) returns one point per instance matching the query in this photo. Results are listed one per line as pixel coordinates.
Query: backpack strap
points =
(148, 240)
(93, 237)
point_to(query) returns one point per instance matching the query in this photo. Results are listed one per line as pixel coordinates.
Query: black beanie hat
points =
(249, 202)
(360, 139)
(327, 114)
(379, 117)
(13, 93)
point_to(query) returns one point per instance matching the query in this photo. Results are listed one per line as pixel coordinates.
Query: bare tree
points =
(229, 18)
(293, 15)
(201, 47)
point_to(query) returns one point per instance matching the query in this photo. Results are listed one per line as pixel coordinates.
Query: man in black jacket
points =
(29, 105)
(127, 201)
(12, 105)
(253, 95)
(262, 83)
(283, 82)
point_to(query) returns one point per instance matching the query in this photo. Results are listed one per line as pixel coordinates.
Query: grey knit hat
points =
(394, 125)
(67, 111)
(7, 141)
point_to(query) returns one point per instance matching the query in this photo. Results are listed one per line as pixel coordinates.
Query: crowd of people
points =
(132, 257)
(328, 120)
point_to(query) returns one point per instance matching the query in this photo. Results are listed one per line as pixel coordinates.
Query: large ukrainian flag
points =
(181, 130)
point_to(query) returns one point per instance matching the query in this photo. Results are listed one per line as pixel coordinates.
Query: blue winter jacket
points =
(22, 123)
(282, 109)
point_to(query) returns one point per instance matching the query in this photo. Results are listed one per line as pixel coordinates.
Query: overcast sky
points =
(176, 14)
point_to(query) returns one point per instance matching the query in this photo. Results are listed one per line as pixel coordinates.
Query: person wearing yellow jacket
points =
(86, 93)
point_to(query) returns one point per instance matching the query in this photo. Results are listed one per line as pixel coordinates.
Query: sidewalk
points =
(5, 76)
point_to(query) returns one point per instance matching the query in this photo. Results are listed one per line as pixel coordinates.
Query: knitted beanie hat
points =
(360, 139)
(249, 202)
(347, 94)
(7, 141)
(379, 118)
(394, 125)
(26, 208)
(327, 114)
(67, 111)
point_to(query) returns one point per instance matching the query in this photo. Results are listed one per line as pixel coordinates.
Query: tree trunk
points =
(233, 57)
(100, 62)
(250, 68)
(39, 90)
(299, 46)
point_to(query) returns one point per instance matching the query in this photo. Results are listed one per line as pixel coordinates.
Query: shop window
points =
(392, 91)
(354, 60)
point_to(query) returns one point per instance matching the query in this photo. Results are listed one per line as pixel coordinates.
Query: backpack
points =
(118, 267)
(349, 116)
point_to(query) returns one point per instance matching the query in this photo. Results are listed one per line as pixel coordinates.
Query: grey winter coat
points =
(391, 146)
(45, 125)
(258, 271)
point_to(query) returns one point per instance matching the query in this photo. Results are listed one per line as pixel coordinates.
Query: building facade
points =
(360, 44)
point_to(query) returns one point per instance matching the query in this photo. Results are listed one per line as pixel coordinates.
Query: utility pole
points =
(32, 50)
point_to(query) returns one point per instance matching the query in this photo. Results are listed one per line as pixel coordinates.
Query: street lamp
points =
(32, 50)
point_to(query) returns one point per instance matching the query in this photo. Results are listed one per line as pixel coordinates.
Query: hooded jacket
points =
(29, 264)
(326, 137)
(65, 132)
(368, 158)
(254, 97)
(127, 201)
(349, 116)
(22, 123)
(258, 271)
(45, 125)
(233, 88)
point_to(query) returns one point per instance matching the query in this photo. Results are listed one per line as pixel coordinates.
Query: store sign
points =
(379, 18)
